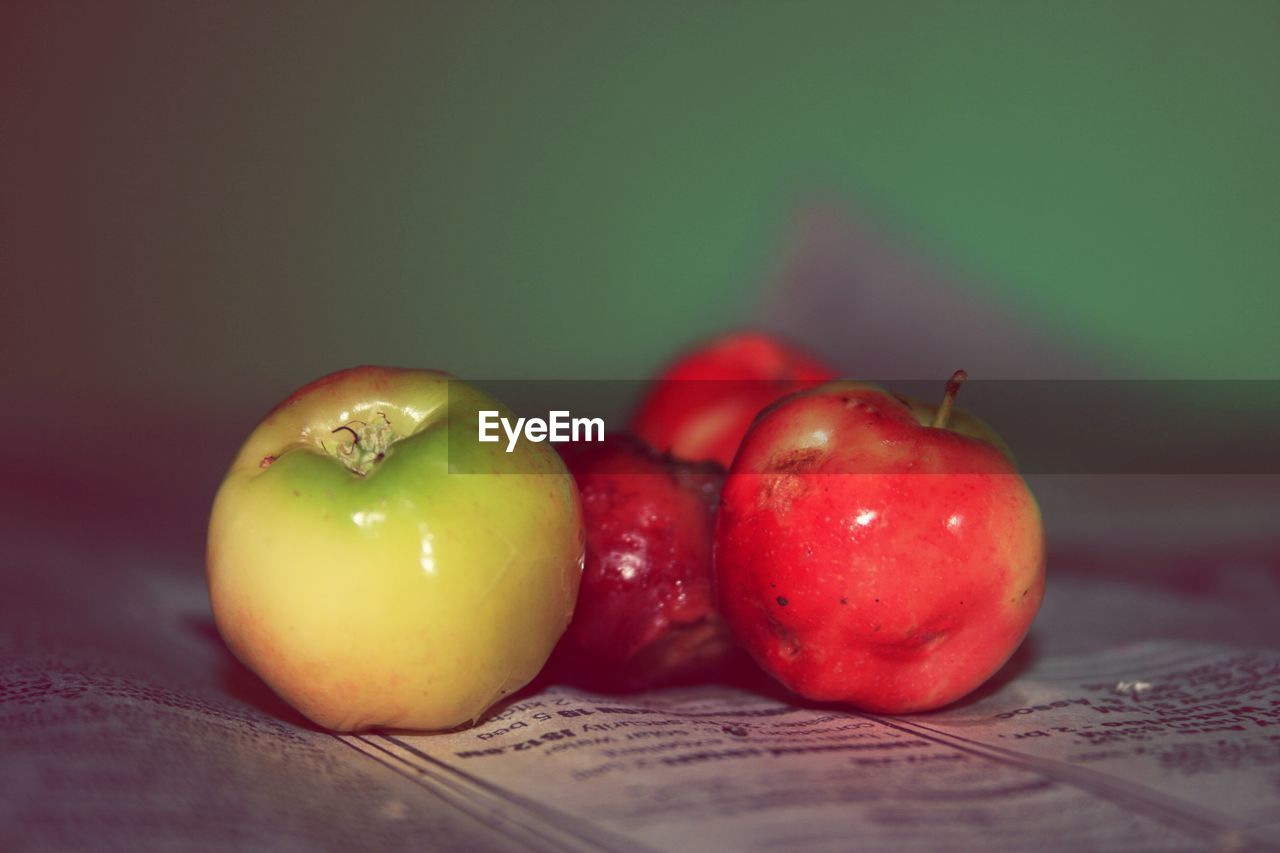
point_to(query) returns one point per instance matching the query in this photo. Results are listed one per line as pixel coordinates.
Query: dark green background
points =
(207, 204)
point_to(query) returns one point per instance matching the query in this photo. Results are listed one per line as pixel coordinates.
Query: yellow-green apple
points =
(375, 572)
(868, 553)
(701, 405)
(646, 613)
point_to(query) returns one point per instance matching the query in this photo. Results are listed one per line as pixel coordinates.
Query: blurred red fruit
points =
(701, 406)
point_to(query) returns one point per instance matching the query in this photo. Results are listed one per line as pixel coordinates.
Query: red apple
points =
(702, 405)
(871, 551)
(646, 613)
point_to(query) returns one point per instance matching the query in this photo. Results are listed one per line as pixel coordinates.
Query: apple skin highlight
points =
(405, 596)
(865, 557)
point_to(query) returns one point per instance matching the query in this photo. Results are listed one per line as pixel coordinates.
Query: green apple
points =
(375, 573)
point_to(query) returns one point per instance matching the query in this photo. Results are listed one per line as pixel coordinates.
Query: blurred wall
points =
(205, 204)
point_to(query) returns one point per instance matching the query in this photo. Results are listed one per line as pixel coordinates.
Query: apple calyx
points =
(362, 444)
(943, 415)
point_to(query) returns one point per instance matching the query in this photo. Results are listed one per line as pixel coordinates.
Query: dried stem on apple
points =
(368, 445)
(944, 411)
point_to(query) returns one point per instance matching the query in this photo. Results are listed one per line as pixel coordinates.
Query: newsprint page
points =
(1142, 713)
(1171, 746)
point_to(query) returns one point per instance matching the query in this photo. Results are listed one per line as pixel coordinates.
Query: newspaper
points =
(125, 724)
(1159, 745)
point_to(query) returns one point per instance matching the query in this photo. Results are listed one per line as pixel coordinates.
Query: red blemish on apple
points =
(798, 461)
(787, 644)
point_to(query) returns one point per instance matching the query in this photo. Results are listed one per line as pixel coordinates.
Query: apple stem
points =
(368, 444)
(944, 411)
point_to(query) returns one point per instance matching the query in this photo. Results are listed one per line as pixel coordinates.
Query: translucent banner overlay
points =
(1124, 427)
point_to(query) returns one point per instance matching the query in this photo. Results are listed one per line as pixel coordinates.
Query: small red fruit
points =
(875, 551)
(646, 613)
(702, 405)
